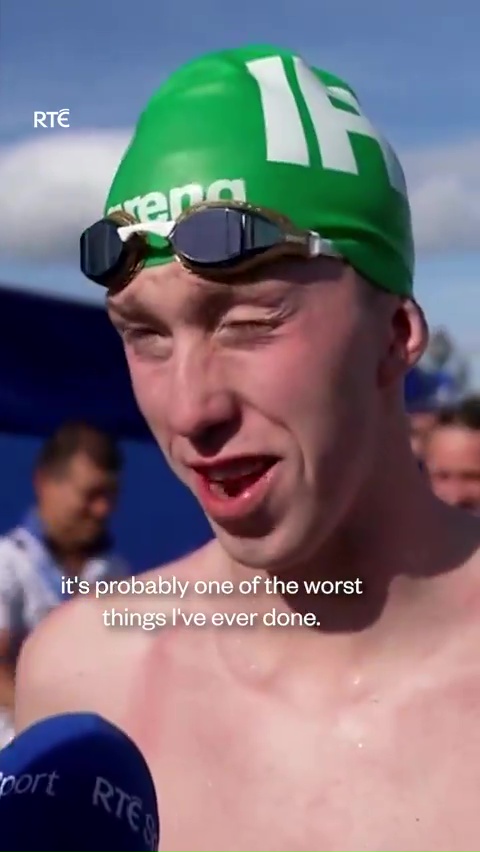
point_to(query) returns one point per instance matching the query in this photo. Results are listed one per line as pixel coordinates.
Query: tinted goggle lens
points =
(212, 237)
(102, 252)
(216, 237)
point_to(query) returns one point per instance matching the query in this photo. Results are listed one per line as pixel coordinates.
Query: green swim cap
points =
(258, 124)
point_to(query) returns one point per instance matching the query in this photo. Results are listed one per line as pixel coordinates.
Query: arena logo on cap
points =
(156, 206)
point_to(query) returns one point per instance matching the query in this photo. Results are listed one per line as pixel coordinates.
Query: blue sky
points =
(416, 74)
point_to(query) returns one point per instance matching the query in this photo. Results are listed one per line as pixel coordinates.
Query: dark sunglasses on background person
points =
(215, 239)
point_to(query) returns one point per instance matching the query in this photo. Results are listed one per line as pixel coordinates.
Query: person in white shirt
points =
(65, 534)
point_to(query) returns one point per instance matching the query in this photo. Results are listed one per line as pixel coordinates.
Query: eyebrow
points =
(208, 301)
(133, 308)
(211, 300)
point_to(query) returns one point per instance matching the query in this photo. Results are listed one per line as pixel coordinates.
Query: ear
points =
(408, 339)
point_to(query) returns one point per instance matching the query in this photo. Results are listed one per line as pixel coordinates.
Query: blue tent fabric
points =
(58, 361)
(62, 360)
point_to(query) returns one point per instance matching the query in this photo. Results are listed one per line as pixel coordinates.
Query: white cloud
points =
(53, 187)
(444, 184)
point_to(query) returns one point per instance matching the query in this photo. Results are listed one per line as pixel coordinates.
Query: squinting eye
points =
(250, 325)
(145, 341)
(131, 334)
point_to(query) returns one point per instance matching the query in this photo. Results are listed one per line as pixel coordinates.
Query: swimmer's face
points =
(287, 373)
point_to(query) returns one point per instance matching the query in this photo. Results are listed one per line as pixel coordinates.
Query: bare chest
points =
(237, 768)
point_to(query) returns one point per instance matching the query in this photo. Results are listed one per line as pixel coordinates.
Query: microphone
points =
(76, 783)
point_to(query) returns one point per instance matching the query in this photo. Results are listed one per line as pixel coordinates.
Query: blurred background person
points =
(425, 394)
(452, 454)
(422, 421)
(441, 379)
(65, 534)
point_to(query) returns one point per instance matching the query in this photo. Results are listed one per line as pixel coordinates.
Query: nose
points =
(456, 493)
(202, 406)
(101, 507)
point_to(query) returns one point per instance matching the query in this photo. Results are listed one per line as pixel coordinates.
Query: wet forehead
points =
(169, 288)
(454, 445)
(172, 287)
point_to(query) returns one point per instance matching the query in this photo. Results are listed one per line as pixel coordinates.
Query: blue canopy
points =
(62, 360)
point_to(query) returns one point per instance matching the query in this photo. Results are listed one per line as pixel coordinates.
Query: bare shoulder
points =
(66, 662)
(54, 657)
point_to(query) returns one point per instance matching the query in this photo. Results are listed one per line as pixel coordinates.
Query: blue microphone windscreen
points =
(76, 783)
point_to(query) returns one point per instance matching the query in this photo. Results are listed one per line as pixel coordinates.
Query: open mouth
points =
(236, 477)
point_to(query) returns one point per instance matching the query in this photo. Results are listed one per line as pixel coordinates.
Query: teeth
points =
(218, 489)
(218, 474)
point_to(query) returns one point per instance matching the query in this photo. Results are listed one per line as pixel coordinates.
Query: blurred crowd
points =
(446, 442)
(445, 423)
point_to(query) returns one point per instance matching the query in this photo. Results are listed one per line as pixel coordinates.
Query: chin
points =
(284, 546)
(90, 538)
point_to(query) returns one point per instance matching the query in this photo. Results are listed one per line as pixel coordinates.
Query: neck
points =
(72, 560)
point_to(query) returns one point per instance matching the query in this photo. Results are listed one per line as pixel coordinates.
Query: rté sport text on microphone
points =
(48, 119)
(109, 797)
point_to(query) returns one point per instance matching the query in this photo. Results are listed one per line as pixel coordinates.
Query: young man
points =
(453, 455)
(268, 356)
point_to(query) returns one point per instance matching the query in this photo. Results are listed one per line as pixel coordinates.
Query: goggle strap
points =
(160, 229)
(317, 246)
